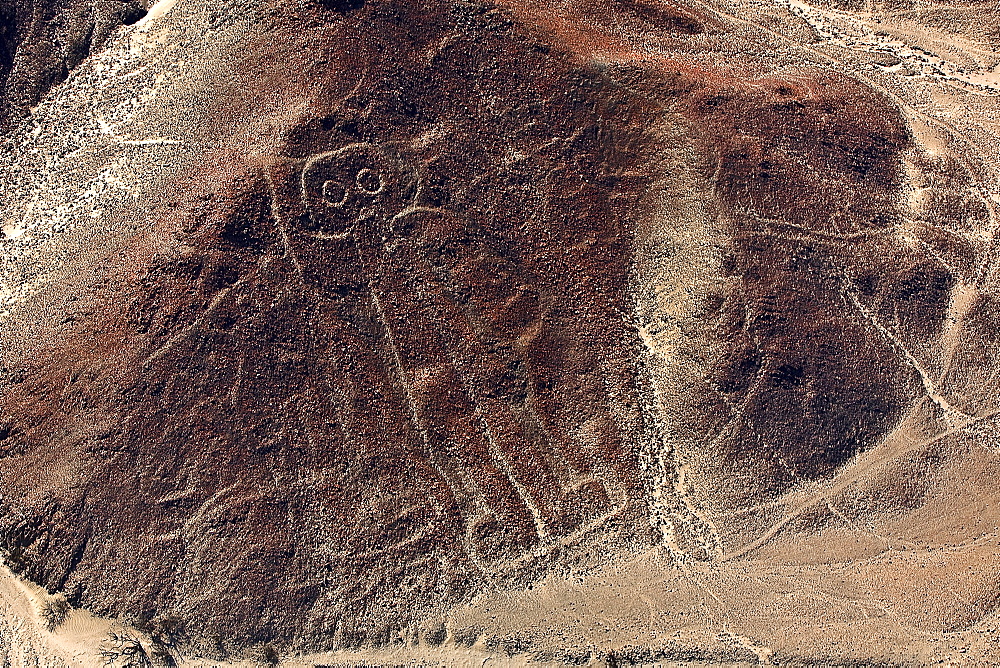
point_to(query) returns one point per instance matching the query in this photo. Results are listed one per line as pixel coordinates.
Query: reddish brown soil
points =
(377, 356)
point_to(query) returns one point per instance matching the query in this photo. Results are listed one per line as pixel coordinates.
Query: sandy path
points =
(74, 643)
(156, 11)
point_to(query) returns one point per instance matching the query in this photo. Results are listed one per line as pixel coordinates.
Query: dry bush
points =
(122, 650)
(53, 610)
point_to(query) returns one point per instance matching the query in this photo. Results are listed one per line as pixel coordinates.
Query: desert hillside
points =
(443, 332)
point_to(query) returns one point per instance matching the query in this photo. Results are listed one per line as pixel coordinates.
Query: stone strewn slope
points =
(362, 376)
(437, 299)
(41, 41)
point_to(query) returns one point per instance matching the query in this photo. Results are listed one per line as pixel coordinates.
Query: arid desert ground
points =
(503, 333)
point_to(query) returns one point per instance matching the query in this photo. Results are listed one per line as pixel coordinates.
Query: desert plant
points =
(53, 610)
(160, 655)
(124, 651)
(269, 655)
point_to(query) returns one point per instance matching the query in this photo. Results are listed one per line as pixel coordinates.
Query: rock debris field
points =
(459, 333)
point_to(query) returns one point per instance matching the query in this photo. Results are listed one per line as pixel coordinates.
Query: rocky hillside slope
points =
(619, 331)
(42, 41)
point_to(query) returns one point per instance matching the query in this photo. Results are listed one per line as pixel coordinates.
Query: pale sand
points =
(156, 11)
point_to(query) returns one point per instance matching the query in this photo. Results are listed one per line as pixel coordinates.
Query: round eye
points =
(369, 181)
(333, 192)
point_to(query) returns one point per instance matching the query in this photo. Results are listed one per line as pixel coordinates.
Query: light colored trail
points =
(892, 448)
(156, 11)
